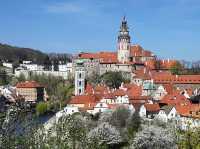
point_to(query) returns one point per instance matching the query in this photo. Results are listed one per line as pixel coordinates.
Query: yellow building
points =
(31, 91)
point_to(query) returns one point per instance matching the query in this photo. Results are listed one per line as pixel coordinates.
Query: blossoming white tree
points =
(154, 137)
(105, 134)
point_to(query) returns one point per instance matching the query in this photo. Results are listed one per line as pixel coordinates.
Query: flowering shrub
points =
(105, 133)
(154, 137)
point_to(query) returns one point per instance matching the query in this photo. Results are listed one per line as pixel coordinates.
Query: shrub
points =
(190, 139)
(113, 79)
(154, 137)
(41, 108)
(105, 134)
(119, 117)
(133, 124)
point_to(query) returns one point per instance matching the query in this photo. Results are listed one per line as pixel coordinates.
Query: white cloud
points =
(64, 8)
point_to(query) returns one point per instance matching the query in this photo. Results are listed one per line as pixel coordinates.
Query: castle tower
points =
(124, 43)
(79, 78)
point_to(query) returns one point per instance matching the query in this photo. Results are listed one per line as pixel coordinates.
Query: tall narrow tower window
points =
(80, 76)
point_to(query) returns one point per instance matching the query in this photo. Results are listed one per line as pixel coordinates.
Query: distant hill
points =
(14, 54)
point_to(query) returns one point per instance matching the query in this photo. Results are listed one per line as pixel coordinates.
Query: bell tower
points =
(124, 44)
(79, 78)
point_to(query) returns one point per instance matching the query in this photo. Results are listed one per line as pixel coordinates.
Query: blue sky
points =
(170, 28)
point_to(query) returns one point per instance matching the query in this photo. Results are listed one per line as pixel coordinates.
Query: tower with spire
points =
(123, 44)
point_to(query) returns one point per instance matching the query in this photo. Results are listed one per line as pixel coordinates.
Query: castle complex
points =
(127, 58)
(140, 65)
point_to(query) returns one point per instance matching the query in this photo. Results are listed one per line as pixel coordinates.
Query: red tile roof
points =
(167, 64)
(83, 99)
(150, 64)
(119, 92)
(169, 88)
(163, 64)
(134, 91)
(152, 107)
(89, 106)
(174, 99)
(28, 84)
(137, 102)
(144, 74)
(166, 78)
(89, 89)
(109, 96)
(104, 57)
(192, 110)
(128, 85)
(138, 51)
(101, 89)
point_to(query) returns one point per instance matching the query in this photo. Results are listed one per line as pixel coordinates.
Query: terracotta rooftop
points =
(169, 88)
(144, 74)
(101, 89)
(174, 99)
(138, 51)
(28, 84)
(161, 64)
(119, 92)
(152, 107)
(166, 78)
(192, 110)
(109, 96)
(134, 91)
(89, 89)
(83, 99)
(104, 57)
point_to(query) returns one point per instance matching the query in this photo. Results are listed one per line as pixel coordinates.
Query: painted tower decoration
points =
(79, 78)
(124, 43)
